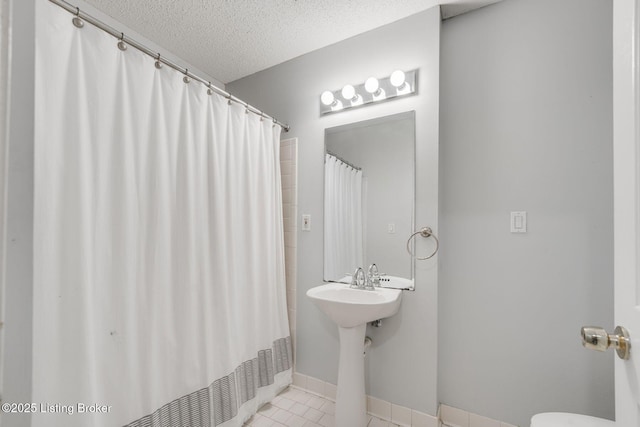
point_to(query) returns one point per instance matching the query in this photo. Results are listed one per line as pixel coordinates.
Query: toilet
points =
(561, 419)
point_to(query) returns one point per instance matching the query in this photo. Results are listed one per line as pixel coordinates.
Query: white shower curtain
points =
(159, 296)
(343, 244)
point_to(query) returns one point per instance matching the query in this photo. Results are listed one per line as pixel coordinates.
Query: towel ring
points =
(424, 232)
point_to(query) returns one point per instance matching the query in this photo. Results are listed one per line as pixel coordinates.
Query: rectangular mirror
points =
(369, 193)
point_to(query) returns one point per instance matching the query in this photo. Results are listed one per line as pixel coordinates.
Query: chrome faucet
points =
(358, 279)
(373, 277)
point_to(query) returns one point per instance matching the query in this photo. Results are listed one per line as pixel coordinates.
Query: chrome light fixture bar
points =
(399, 83)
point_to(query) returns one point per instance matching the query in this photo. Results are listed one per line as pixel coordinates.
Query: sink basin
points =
(349, 307)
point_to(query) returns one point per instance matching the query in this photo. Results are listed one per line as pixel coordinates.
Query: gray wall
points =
(526, 124)
(18, 293)
(402, 364)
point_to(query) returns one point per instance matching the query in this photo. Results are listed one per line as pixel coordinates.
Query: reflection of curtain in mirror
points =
(343, 249)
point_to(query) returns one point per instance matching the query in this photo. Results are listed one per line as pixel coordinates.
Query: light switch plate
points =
(519, 222)
(306, 222)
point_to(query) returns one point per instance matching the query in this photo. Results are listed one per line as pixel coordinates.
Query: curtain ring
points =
(209, 89)
(121, 44)
(158, 64)
(229, 100)
(77, 21)
(186, 77)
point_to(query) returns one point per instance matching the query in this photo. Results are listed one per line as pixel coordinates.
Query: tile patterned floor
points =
(297, 408)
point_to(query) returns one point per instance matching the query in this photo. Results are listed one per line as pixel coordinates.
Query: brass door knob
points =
(596, 338)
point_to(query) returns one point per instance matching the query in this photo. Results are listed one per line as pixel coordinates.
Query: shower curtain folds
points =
(159, 256)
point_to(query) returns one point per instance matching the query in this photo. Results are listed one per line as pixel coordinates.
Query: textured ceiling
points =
(230, 39)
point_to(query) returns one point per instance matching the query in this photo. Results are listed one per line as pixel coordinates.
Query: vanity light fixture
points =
(350, 95)
(398, 78)
(399, 83)
(327, 98)
(372, 86)
(329, 101)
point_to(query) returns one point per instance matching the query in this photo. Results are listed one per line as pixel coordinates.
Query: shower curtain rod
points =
(121, 36)
(344, 161)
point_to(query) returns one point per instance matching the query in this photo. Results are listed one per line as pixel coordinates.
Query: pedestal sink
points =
(351, 309)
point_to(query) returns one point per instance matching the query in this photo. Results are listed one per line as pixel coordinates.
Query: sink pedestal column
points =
(351, 405)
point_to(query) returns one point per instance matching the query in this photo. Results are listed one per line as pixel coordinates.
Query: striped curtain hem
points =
(219, 403)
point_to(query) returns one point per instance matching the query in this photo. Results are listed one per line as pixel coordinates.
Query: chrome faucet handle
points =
(373, 277)
(373, 270)
(358, 279)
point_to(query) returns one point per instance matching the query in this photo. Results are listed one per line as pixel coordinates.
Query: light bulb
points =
(348, 92)
(327, 97)
(371, 85)
(397, 78)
